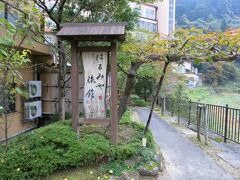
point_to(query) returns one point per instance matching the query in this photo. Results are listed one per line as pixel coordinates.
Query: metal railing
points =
(221, 120)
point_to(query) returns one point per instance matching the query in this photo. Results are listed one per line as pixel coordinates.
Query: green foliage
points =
(205, 14)
(48, 149)
(145, 87)
(12, 57)
(116, 168)
(147, 154)
(146, 79)
(136, 101)
(56, 147)
(219, 95)
(218, 139)
(125, 151)
(179, 91)
(1, 110)
(97, 11)
(138, 130)
(198, 94)
(68, 115)
(219, 73)
(126, 118)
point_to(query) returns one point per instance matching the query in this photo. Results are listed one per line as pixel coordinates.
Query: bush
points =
(56, 147)
(125, 151)
(138, 129)
(136, 101)
(140, 103)
(126, 118)
(51, 148)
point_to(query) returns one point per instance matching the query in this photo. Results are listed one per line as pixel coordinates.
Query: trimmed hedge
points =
(56, 147)
(51, 148)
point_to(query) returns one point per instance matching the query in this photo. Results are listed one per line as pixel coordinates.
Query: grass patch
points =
(211, 95)
(89, 172)
(218, 139)
(114, 167)
(57, 147)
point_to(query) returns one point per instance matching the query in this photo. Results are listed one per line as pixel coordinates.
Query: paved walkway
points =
(183, 160)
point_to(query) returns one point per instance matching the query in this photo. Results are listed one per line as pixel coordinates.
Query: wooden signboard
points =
(95, 83)
(95, 60)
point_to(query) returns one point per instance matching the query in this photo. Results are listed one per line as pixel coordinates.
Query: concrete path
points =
(183, 160)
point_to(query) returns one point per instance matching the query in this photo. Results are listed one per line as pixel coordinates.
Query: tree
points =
(208, 14)
(187, 45)
(131, 57)
(12, 58)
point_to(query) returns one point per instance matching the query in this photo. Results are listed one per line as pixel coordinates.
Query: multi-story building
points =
(192, 77)
(158, 17)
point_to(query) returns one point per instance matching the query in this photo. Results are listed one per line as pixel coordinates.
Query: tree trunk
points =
(145, 93)
(61, 81)
(4, 95)
(131, 81)
(159, 85)
(6, 131)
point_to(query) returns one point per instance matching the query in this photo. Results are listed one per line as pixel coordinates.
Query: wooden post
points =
(189, 113)
(206, 124)
(114, 120)
(162, 105)
(226, 124)
(199, 114)
(75, 85)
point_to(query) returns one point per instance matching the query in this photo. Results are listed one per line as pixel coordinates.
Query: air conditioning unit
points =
(32, 110)
(34, 88)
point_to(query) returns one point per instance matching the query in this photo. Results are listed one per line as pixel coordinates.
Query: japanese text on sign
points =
(95, 70)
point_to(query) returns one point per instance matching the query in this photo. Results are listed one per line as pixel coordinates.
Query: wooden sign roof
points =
(92, 31)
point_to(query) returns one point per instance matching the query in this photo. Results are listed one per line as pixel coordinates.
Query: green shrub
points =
(125, 151)
(136, 101)
(55, 147)
(68, 115)
(147, 154)
(51, 148)
(126, 118)
(139, 130)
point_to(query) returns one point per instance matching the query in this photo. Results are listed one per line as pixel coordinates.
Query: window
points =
(171, 16)
(149, 26)
(150, 13)
(10, 102)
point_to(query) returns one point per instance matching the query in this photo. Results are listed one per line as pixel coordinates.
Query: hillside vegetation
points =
(214, 15)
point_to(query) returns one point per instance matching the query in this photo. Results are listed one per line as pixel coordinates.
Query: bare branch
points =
(185, 43)
(50, 11)
(124, 71)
